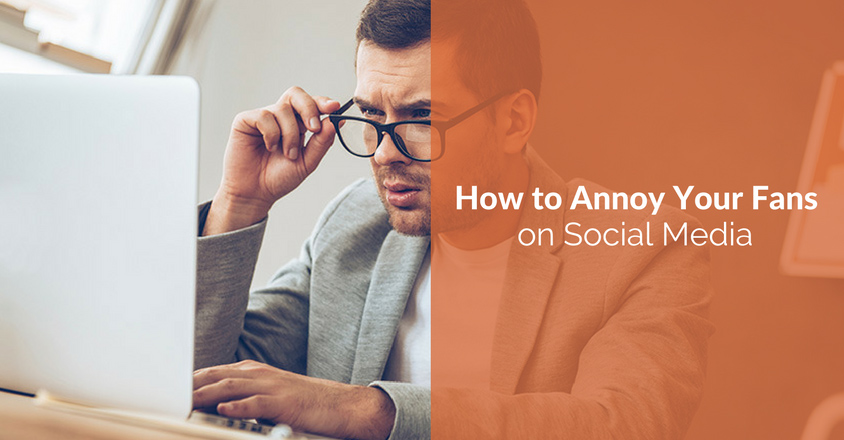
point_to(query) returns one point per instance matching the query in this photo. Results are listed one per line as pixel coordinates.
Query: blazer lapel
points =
(527, 286)
(392, 279)
(528, 282)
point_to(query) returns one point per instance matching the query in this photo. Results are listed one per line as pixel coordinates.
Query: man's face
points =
(395, 85)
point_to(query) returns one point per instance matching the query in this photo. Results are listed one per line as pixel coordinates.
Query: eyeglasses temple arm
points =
(465, 115)
(345, 107)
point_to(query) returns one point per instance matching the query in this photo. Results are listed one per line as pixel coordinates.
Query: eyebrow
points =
(408, 107)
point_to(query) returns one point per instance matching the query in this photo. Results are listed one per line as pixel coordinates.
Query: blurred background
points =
(243, 54)
(637, 97)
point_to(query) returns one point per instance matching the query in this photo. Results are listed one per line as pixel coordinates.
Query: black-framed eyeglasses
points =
(422, 141)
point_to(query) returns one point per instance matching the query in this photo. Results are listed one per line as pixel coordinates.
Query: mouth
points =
(401, 195)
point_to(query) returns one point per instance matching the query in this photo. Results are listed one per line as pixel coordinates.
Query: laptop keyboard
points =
(271, 431)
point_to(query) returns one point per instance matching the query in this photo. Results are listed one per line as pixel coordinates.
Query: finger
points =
(213, 375)
(290, 135)
(243, 369)
(319, 144)
(267, 124)
(306, 107)
(226, 390)
(302, 131)
(253, 407)
(326, 105)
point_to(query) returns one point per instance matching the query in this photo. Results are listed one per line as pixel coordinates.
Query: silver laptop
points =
(98, 188)
(98, 227)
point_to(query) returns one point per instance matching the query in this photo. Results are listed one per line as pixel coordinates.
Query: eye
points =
(422, 113)
(370, 112)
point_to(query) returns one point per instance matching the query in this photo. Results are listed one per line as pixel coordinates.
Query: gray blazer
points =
(332, 313)
(591, 342)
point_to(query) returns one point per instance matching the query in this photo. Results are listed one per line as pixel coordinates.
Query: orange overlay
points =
(608, 221)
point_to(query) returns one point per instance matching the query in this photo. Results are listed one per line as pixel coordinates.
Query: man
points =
(311, 319)
(580, 342)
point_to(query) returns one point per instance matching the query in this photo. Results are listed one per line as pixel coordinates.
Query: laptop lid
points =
(98, 188)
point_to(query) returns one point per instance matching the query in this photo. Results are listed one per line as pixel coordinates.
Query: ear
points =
(518, 112)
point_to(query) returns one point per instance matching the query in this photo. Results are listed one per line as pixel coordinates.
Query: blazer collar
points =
(393, 277)
(528, 282)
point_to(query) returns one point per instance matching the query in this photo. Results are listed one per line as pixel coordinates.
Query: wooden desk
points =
(21, 419)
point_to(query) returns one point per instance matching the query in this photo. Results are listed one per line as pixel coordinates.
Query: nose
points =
(388, 153)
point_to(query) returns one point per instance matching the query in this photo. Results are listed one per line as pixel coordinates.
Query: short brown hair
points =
(497, 40)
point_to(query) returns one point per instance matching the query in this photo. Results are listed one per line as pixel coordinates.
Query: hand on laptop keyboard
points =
(251, 389)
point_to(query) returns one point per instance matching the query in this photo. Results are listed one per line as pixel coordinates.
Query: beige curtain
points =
(174, 27)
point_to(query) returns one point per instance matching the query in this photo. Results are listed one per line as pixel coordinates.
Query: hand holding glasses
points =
(268, 155)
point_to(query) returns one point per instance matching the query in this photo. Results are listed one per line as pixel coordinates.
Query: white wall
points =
(246, 55)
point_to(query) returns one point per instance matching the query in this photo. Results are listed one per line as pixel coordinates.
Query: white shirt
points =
(469, 286)
(410, 357)
(468, 296)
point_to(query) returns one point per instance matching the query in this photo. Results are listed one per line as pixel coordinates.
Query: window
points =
(101, 36)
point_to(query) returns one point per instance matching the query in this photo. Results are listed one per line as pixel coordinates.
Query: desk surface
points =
(21, 419)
